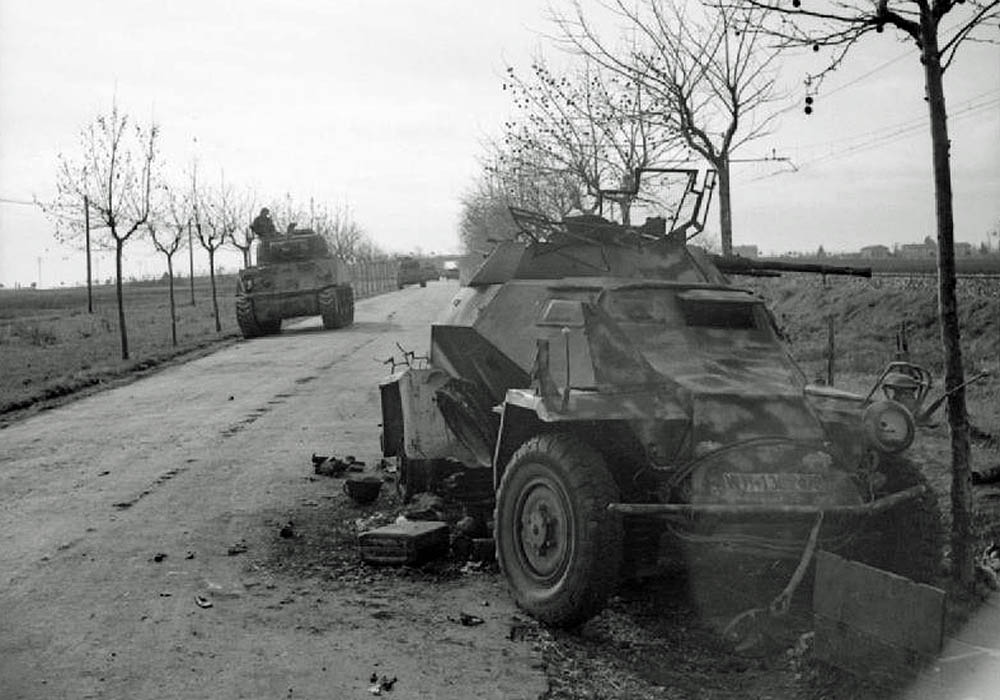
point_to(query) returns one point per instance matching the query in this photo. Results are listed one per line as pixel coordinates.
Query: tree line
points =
(112, 191)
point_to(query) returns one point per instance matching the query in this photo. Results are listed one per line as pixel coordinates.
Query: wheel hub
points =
(543, 530)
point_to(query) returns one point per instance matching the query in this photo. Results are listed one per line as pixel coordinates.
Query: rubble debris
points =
(988, 566)
(990, 475)
(202, 601)
(470, 486)
(468, 620)
(425, 506)
(363, 489)
(404, 542)
(380, 685)
(477, 549)
(471, 527)
(334, 466)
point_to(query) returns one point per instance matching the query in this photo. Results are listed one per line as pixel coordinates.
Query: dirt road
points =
(119, 510)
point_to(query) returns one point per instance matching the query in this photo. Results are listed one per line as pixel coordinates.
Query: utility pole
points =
(86, 226)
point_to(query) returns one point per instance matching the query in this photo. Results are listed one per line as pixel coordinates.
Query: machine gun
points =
(735, 265)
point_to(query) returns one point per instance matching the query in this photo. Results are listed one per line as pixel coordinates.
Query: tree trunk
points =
(215, 298)
(725, 205)
(246, 256)
(173, 306)
(119, 243)
(962, 554)
(191, 262)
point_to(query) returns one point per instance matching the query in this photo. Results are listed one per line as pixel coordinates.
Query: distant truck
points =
(410, 272)
(295, 275)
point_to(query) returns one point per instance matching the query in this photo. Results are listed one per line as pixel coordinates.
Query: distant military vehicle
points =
(410, 271)
(620, 388)
(295, 275)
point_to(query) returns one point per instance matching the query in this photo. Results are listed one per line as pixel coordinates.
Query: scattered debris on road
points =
(425, 506)
(237, 548)
(380, 685)
(202, 601)
(404, 542)
(159, 556)
(334, 466)
(363, 489)
(287, 530)
(468, 620)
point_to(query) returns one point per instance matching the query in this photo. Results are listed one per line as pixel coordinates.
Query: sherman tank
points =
(619, 391)
(295, 275)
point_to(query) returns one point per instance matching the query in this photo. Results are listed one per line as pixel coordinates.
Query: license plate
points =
(763, 482)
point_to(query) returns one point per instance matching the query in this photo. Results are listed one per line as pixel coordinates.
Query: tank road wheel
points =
(907, 539)
(347, 304)
(336, 304)
(559, 547)
(246, 318)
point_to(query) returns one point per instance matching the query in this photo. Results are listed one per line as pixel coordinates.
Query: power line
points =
(892, 133)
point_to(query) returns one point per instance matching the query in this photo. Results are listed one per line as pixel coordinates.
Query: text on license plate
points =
(760, 482)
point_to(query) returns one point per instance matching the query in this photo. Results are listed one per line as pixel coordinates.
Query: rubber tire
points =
(336, 304)
(247, 319)
(574, 475)
(907, 539)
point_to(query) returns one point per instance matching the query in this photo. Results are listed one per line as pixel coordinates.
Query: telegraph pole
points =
(86, 227)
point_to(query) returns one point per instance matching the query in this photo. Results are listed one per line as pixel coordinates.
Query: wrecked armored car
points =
(617, 385)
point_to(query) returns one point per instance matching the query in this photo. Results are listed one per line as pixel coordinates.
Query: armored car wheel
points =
(559, 547)
(246, 319)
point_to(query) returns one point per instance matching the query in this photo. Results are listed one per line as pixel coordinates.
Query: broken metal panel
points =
(874, 623)
(425, 434)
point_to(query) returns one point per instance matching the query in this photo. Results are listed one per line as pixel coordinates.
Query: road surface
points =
(121, 511)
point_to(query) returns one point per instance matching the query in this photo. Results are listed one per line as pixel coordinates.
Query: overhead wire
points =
(891, 133)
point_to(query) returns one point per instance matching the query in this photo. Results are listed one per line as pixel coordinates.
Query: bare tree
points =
(707, 70)
(590, 123)
(114, 171)
(343, 234)
(243, 237)
(214, 218)
(841, 25)
(485, 213)
(168, 237)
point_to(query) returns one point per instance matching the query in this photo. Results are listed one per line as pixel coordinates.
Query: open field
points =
(967, 265)
(50, 346)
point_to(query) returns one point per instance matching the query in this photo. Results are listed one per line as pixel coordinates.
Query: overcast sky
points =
(383, 105)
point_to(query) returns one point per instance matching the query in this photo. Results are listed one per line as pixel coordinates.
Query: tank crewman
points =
(263, 225)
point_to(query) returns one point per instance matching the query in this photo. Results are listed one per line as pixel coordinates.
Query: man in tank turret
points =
(263, 225)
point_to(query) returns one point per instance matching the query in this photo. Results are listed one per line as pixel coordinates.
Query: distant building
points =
(927, 249)
(746, 251)
(875, 252)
